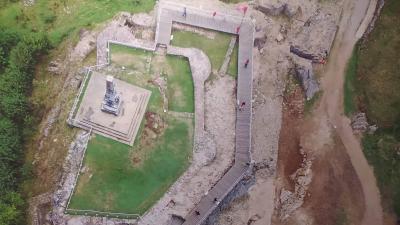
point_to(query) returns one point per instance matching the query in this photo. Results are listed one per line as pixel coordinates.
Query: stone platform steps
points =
(128, 137)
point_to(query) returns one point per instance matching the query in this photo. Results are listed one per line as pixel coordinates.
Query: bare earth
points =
(324, 170)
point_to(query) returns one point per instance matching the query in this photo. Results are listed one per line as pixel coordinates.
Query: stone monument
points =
(111, 102)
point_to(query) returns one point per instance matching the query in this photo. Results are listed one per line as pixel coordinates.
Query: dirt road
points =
(351, 26)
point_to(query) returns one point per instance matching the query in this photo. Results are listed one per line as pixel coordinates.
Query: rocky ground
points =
(280, 24)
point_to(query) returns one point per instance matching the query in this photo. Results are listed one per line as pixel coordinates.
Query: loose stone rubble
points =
(289, 201)
(359, 123)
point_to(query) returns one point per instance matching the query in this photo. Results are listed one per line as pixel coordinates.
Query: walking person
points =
(242, 105)
(214, 14)
(184, 12)
(237, 29)
(246, 63)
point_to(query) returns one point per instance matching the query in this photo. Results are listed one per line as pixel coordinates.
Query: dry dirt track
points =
(351, 26)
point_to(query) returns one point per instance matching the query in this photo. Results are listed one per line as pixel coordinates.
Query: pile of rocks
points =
(28, 2)
(359, 123)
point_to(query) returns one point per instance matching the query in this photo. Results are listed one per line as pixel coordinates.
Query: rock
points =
(285, 196)
(277, 9)
(305, 54)
(260, 42)
(279, 38)
(306, 77)
(359, 122)
(253, 219)
(260, 165)
(54, 68)
(372, 129)
(322, 25)
(28, 2)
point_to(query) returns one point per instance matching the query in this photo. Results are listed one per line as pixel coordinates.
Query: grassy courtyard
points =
(118, 178)
(215, 48)
(142, 65)
(111, 182)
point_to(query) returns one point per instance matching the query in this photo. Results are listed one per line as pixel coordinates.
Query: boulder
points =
(277, 9)
(260, 42)
(305, 75)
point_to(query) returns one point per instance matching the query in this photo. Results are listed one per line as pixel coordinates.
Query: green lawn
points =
(349, 89)
(215, 49)
(379, 66)
(143, 65)
(135, 60)
(180, 85)
(113, 184)
(233, 63)
(61, 18)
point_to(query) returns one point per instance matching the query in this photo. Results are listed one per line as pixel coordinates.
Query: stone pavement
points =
(171, 12)
(121, 35)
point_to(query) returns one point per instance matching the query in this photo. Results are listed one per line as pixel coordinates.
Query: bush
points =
(8, 39)
(10, 205)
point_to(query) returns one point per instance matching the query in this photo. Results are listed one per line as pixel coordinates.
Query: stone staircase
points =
(128, 137)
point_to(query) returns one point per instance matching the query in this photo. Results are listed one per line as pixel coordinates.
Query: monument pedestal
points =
(111, 102)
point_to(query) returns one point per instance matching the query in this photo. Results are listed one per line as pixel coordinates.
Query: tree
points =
(10, 141)
(8, 39)
(14, 106)
(10, 205)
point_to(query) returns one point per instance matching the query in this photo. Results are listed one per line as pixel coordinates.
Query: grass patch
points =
(382, 151)
(180, 85)
(379, 66)
(115, 185)
(61, 18)
(349, 89)
(142, 66)
(89, 75)
(215, 48)
(233, 63)
(341, 217)
(378, 82)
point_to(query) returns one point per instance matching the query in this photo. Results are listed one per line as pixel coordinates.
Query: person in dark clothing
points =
(246, 63)
(184, 12)
(242, 106)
